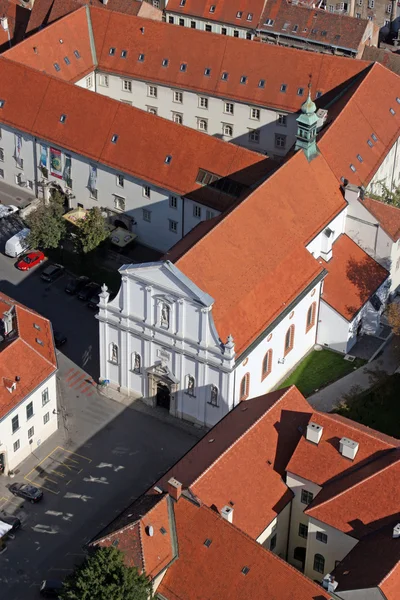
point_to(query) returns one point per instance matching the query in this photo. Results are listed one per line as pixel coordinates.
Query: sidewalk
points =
(326, 399)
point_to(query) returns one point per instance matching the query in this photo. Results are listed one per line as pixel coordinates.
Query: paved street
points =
(103, 456)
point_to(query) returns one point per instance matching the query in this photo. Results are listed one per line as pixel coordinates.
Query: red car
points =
(30, 260)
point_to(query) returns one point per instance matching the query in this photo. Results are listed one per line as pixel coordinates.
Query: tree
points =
(92, 230)
(46, 224)
(393, 316)
(387, 195)
(104, 576)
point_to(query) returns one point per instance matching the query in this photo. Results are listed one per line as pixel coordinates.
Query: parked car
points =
(90, 290)
(75, 284)
(30, 260)
(11, 520)
(18, 243)
(59, 338)
(5, 211)
(94, 299)
(51, 588)
(52, 272)
(26, 491)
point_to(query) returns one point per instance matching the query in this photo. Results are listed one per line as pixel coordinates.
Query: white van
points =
(17, 244)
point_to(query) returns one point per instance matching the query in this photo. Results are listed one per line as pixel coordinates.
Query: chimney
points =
(322, 115)
(105, 2)
(314, 432)
(8, 321)
(4, 23)
(329, 583)
(348, 448)
(174, 488)
(351, 192)
(396, 531)
(227, 513)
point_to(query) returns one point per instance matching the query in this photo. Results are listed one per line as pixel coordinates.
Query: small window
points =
(266, 365)
(183, 67)
(152, 91)
(245, 386)
(306, 497)
(66, 60)
(15, 424)
(146, 215)
(322, 537)
(208, 28)
(152, 110)
(289, 340)
(207, 543)
(45, 397)
(197, 211)
(193, 24)
(29, 411)
(88, 82)
(311, 313)
(227, 130)
(165, 62)
(124, 53)
(119, 203)
(146, 191)
(392, 111)
(255, 114)
(171, 20)
(168, 159)
(114, 138)
(63, 118)
(113, 358)
(374, 137)
(224, 31)
(46, 418)
(178, 97)
(314, 31)
(177, 118)
(209, 214)
(228, 108)
(269, 22)
(303, 530)
(283, 88)
(398, 100)
(352, 167)
(224, 76)
(212, 8)
(183, 2)
(127, 85)
(300, 91)
(173, 226)
(182, 22)
(370, 144)
(77, 55)
(111, 52)
(282, 120)
(203, 102)
(213, 395)
(173, 202)
(318, 94)
(319, 563)
(207, 72)
(103, 80)
(295, 28)
(2, 103)
(57, 67)
(249, 16)
(245, 570)
(1, 173)
(16, 445)
(239, 14)
(31, 432)
(243, 79)
(254, 136)
(120, 181)
(202, 125)
(359, 158)
(235, 33)
(280, 140)
(261, 83)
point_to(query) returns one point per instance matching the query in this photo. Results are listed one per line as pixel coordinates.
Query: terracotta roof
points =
(373, 563)
(364, 499)
(267, 576)
(388, 59)
(150, 550)
(45, 98)
(242, 459)
(321, 463)
(353, 277)
(225, 11)
(314, 25)
(17, 16)
(292, 214)
(387, 215)
(54, 48)
(27, 352)
(366, 114)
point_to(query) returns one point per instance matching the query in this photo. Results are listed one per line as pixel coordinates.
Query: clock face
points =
(56, 163)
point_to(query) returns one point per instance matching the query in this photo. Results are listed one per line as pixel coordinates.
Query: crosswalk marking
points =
(80, 381)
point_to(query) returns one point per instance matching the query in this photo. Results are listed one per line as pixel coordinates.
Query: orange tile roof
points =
(18, 17)
(373, 562)
(323, 462)
(340, 31)
(366, 113)
(225, 11)
(262, 267)
(387, 215)
(37, 106)
(22, 356)
(215, 572)
(246, 459)
(364, 499)
(56, 46)
(149, 553)
(353, 277)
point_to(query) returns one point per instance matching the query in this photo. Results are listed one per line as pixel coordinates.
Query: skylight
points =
(250, 16)
(318, 94)
(245, 570)
(77, 55)
(124, 53)
(337, 37)
(283, 87)
(224, 76)
(183, 67)
(61, 41)
(2, 103)
(392, 111)
(183, 2)
(243, 79)
(114, 138)
(398, 100)
(66, 60)
(269, 22)
(359, 158)
(300, 91)
(141, 58)
(295, 28)
(168, 159)
(352, 167)
(63, 118)
(324, 33)
(212, 8)
(38, 341)
(285, 25)
(239, 14)
(57, 67)
(165, 62)
(111, 52)
(314, 31)
(374, 137)
(370, 144)
(207, 72)
(207, 543)
(163, 530)
(261, 83)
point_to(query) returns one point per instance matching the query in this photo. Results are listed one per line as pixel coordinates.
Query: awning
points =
(122, 237)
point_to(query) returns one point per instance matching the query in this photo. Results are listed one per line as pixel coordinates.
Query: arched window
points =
(114, 353)
(289, 340)
(136, 362)
(214, 395)
(245, 386)
(266, 365)
(311, 313)
(190, 385)
(319, 563)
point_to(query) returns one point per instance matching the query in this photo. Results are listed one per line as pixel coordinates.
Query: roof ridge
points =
(243, 434)
(352, 487)
(327, 415)
(38, 353)
(141, 546)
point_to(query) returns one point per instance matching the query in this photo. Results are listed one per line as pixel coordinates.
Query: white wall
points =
(215, 26)
(317, 246)
(279, 527)
(9, 164)
(191, 112)
(41, 430)
(337, 547)
(333, 329)
(297, 484)
(388, 172)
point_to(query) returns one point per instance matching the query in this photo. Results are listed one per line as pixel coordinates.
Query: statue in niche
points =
(114, 353)
(190, 385)
(165, 315)
(136, 364)
(214, 395)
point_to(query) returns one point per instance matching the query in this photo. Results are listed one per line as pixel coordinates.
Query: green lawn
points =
(318, 369)
(378, 407)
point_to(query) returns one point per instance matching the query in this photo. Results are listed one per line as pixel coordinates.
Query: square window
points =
(45, 397)
(29, 410)
(127, 85)
(197, 211)
(224, 31)
(208, 28)
(303, 530)
(103, 80)
(120, 180)
(31, 431)
(146, 191)
(173, 202)
(178, 97)
(203, 102)
(182, 22)
(322, 537)
(16, 445)
(177, 118)
(228, 108)
(202, 125)
(261, 83)
(46, 418)
(254, 136)
(119, 203)
(306, 497)
(283, 88)
(280, 141)
(235, 34)
(173, 226)
(282, 120)
(255, 114)
(152, 91)
(15, 423)
(147, 215)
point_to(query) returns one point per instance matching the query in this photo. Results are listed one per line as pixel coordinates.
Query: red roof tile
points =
(268, 576)
(321, 463)
(314, 25)
(387, 215)
(261, 266)
(22, 356)
(353, 277)
(17, 17)
(364, 499)
(246, 459)
(226, 11)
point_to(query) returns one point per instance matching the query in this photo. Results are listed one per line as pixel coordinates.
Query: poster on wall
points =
(55, 163)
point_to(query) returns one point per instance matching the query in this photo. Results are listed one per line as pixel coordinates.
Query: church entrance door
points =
(163, 396)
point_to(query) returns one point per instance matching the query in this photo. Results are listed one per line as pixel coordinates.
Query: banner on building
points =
(67, 169)
(55, 163)
(92, 177)
(43, 156)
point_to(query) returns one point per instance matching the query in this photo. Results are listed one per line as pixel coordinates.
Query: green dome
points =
(308, 108)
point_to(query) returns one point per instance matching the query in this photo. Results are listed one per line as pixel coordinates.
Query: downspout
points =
(290, 526)
(183, 216)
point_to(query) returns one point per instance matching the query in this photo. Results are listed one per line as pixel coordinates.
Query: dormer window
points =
(207, 72)
(243, 79)
(141, 58)
(124, 53)
(63, 118)
(239, 14)
(114, 138)
(183, 67)
(168, 159)
(111, 52)
(261, 83)
(212, 8)
(250, 16)
(165, 62)
(224, 76)
(269, 22)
